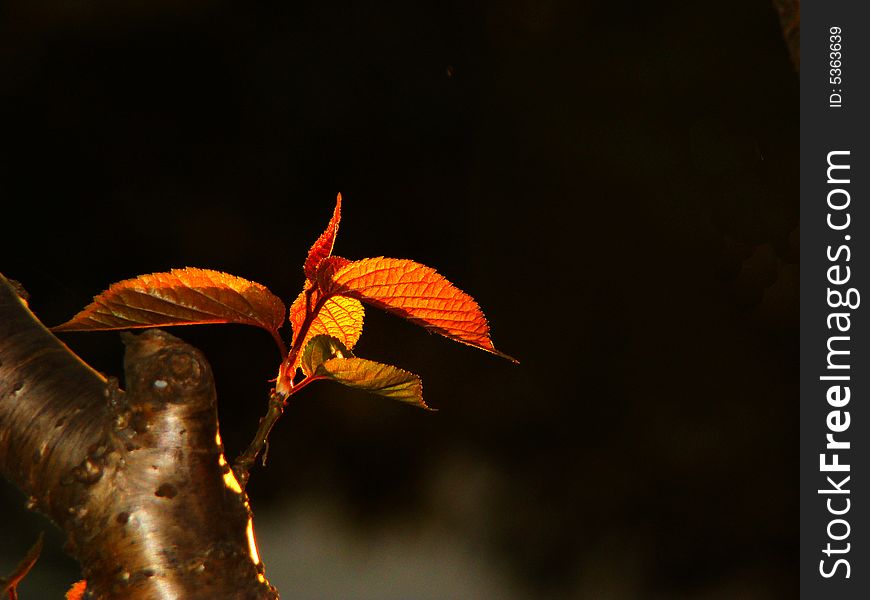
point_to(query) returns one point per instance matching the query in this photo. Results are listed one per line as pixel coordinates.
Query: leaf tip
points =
(322, 248)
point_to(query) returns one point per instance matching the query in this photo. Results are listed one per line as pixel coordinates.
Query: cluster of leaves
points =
(326, 318)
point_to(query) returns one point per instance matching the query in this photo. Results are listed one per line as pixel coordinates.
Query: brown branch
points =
(277, 401)
(242, 465)
(137, 479)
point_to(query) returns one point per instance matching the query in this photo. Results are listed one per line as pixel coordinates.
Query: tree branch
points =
(242, 465)
(137, 479)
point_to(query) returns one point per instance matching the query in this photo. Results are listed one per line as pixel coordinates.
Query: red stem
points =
(303, 330)
(305, 382)
(282, 348)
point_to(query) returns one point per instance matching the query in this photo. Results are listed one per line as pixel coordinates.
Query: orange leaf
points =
(77, 591)
(181, 297)
(414, 292)
(340, 317)
(377, 378)
(322, 248)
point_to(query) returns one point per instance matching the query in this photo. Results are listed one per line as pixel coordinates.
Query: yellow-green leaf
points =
(377, 378)
(340, 317)
(320, 349)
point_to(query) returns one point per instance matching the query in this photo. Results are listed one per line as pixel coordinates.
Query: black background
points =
(615, 183)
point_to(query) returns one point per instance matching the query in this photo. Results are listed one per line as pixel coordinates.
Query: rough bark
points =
(137, 479)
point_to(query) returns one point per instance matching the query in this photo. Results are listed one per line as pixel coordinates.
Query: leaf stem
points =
(282, 348)
(277, 401)
(310, 314)
(305, 382)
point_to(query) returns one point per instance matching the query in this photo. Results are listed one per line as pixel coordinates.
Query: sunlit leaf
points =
(77, 591)
(377, 378)
(339, 317)
(180, 297)
(320, 349)
(330, 266)
(322, 248)
(414, 292)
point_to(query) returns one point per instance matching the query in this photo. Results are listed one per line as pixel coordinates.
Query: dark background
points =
(616, 184)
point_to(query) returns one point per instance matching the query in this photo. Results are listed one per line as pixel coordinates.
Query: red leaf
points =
(322, 248)
(329, 266)
(181, 297)
(414, 292)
